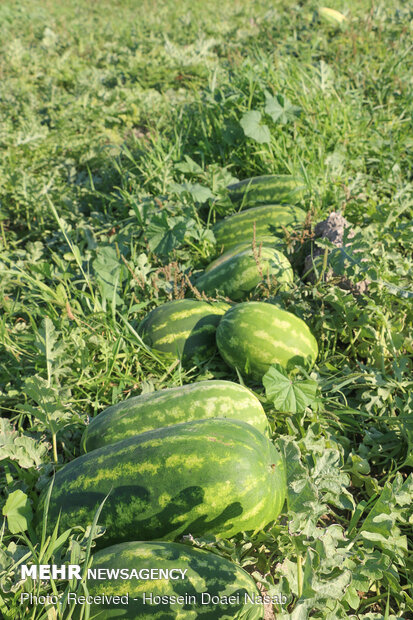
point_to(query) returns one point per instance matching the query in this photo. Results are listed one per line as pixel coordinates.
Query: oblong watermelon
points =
(269, 221)
(200, 584)
(197, 401)
(236, 249)
(216, 477)
(253, 335)
(241, 273)
(183, 328)
(267, 189)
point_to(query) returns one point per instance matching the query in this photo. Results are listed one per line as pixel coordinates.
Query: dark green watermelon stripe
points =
(261, 242)
(176, 336)
(175, 317)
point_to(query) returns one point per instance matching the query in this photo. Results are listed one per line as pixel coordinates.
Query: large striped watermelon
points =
(183, 329)
(206, 399)
(269, 221)
(241, 273)
(253, 335)
(216, 477)
(267, 189)
(199, 584)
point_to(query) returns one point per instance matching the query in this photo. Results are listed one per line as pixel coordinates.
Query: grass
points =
(121, 124)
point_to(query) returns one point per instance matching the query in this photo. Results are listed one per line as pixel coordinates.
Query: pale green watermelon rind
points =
(253, 335)
(207, 477)
(196, 401)
(241, 273)
(206, 572)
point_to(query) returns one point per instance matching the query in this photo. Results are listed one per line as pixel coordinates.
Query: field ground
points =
(121, 124)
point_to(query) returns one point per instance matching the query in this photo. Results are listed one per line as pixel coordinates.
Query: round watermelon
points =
(253, 335)
(240, 274)
(183, 329)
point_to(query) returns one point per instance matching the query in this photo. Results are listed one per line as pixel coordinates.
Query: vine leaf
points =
(251, 124)
(18, 511)
(289, 395)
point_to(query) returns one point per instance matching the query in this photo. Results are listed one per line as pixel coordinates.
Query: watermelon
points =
(332, 16)
(253, 335)
(199, 584)
(240, 247)
(183, 329)
(206, 477)
(269, 221)
(206, 399)
(266, 189)
(241, 273)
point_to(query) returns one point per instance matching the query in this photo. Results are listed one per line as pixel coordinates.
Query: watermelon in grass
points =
(267, 221)
(199, 584)
(183, 329)
(207, 477)
(253, 335)
(204, 399)
(267, 189)
(241, 273)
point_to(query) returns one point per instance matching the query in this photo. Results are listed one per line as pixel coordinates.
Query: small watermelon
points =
(267, 189)
(183, 329)
(265, 221)
(253, 335)
(240, 274)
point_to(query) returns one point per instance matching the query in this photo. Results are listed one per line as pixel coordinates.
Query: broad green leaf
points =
(288, 395)
(189, 166)
(198, 192)
(22, 449)
(395, 503)
(288, 569)
(109, 271)
(51, 346)
(280, 108)
(53, 404)
(331, 481)
(251, 124)
(39, 390)
(404, 499)
(304, 506)
(18, 511)
(165, 233)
